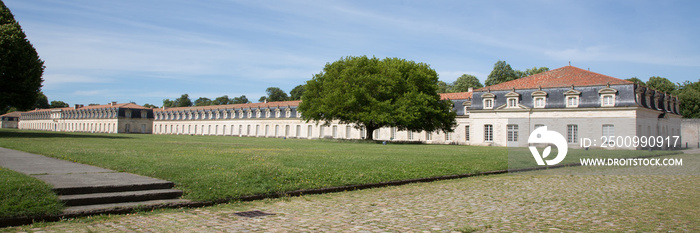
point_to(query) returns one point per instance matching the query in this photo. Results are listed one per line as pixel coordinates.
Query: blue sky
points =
(97, 51)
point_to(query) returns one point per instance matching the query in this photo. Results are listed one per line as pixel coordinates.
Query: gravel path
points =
(522, 203)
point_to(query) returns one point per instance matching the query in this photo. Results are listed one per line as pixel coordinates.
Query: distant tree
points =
(464, 82)
(222, 100)
(296, 93)
(59, 104)
(276, 94)
(534, 70)
(183, 101)
(168, 103)
(370, 93)
(661, 84)
(689, 96)
(147, 105)
(636, 80)
(262, 99)
(203, 101)
(20, 66)
(502, 72)
(240, 100)
(93, 104)
(41, 101)
(444, 87)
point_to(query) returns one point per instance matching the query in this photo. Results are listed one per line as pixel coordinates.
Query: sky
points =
(98, 51)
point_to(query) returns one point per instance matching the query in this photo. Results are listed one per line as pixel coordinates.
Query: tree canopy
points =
(372, 93)
(274, 94)
(42, 101)
(636, 80)
(661, 84)
(240, 100)
(502, 72)
(20, 66)
(296, 93)
(464, 82)
(203, 101)
(58, 104)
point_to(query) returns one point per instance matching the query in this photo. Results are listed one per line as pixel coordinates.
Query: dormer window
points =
(572, 98)
(607, 97)
(127, 114)
(267, 113)
(489, 99)
(250, 114)
(513, 99)
(288, 113)
(539, 99)
(277, 113)
(512, 102)
(257, 113)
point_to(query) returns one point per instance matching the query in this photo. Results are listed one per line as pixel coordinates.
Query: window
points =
(466, 133)
(393, 133)
(409, 135)
(257, 130)
(572, 101)
(488, 104)
(608, 101)
(539, 102)
(347, 131)
(448, 136)
(320, 131)
(277, 113)
(376, 134)
(267, 130)
(571, 133)
(428, 136)
(298, 131)
(335, 131)
(609, 132)
(512, 133)
(288, 113)
(277, 130)
(309, 131)
(127, 114)
(512, 102)
(488, 133)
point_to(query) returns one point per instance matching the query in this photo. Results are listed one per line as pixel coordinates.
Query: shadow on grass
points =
(38, 134)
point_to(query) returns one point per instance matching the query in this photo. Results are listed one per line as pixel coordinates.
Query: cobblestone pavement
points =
(521, 203)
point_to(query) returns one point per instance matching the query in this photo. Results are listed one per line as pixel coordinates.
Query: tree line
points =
(687, 92)
(502, 72)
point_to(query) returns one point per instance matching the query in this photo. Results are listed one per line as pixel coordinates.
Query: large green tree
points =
(20, 66)
(464, 82)
(636, 80)
(661, 84)
(502, 72)
(371, 93)
(296, 93)
(533, 71)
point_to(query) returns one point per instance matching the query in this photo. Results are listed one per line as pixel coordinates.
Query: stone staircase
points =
(143, 192)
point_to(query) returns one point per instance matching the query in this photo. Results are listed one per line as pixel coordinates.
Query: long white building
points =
(577, 103)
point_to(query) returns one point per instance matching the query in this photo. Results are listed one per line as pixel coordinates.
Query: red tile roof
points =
(456, 96)
(562, 77)
(124, 105)
(251, 105)
(12, 114)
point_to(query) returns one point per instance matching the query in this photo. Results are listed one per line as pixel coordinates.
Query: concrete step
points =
(117, 197)
(84, 183)
(121, 207)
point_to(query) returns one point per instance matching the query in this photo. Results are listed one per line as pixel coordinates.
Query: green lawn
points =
(210, 168)
(23, 195)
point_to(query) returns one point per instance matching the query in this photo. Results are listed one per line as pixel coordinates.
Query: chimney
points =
(470, 89)
(113, 103)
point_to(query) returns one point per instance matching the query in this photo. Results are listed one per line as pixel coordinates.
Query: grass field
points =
(211, 168)
(23, 195)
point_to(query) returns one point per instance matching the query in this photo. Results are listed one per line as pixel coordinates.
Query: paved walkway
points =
(63, 174)
(526, 202)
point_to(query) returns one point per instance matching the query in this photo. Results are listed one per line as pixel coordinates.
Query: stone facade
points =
(10, 120)
(109, 118)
